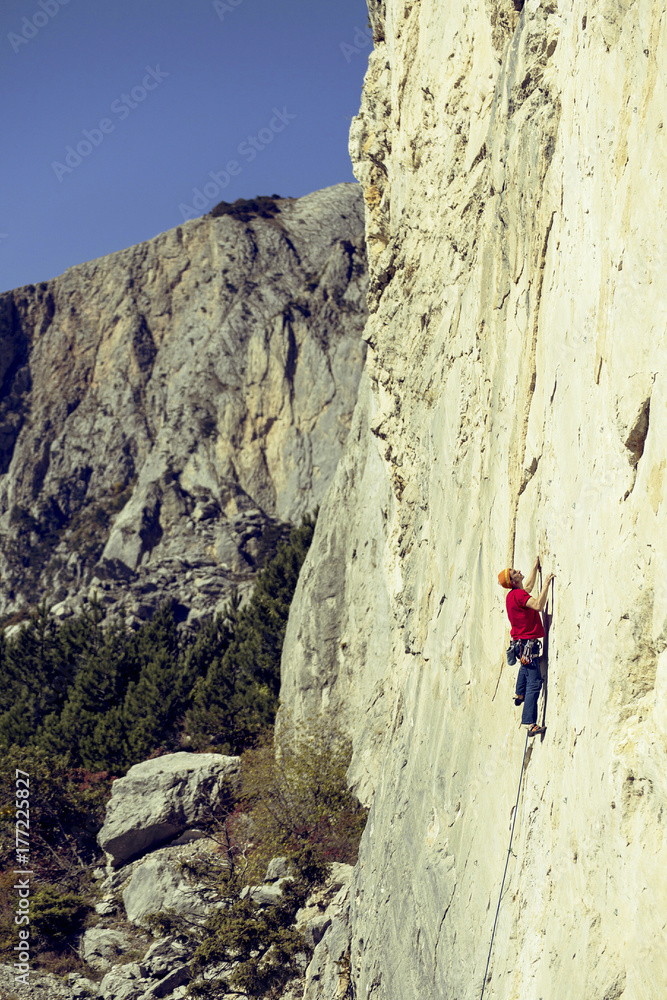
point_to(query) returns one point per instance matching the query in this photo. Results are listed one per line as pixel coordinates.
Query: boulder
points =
(105, 907)
(162, 956)
(278, 868)
(84, 989)
(312, 923)
(159, 799)
(123, 982)
(101, 947)
(157, 884)
(174, 979)
(269, 894)
(316, 916)
(339, 875)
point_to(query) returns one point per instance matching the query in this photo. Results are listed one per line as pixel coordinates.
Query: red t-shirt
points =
(526, 623)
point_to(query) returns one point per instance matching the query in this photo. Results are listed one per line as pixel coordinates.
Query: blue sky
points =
(116, 113)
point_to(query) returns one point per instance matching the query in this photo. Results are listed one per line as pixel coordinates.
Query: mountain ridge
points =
(177, 403)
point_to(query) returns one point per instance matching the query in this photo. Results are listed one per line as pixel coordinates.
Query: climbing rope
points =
(509, 851)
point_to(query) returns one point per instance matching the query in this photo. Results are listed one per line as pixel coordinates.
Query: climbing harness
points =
(509, 851)
(529, 650)
(526, 653)
(524, 650)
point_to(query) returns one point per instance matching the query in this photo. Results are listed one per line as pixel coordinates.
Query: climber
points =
(527, 631)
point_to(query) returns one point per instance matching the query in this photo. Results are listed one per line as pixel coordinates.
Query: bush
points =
(299, 799)
(55, 916)
(66, 811)
(245, 209)
(260, 946)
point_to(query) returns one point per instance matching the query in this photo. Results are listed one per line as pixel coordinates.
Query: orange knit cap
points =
(504, 579)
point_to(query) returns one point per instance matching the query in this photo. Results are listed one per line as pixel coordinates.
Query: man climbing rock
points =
(527, 633)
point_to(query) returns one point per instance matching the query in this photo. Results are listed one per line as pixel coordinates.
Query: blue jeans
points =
(529, 685)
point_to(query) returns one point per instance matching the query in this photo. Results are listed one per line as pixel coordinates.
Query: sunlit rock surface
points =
(514, 164)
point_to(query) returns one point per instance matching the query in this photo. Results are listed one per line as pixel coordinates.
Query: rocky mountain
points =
(166, 411)
(513, 157)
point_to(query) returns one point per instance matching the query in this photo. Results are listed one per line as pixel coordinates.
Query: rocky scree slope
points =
(514, 164)
(165, 411)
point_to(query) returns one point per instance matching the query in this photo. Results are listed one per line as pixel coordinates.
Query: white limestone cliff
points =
(514, 163)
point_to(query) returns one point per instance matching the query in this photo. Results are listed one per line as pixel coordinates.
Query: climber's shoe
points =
(537, 730)
(518, 699)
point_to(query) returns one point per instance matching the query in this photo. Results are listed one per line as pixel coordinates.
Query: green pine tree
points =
(39, 665)
(111, 664)
(239, 695)
(155, 704)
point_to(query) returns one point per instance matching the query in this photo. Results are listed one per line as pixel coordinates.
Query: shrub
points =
(245, 209)
(55, 916)
(66, 811)
(260, 947)
(299, 800)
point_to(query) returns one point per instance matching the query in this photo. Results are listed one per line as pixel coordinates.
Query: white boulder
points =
(157, 884)
(159, 799)
(101, 947)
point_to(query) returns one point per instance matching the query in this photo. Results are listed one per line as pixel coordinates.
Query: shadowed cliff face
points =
(167, 410)
(514, 165)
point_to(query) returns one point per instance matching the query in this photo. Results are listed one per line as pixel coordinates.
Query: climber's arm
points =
(530, 582)
(538, 605)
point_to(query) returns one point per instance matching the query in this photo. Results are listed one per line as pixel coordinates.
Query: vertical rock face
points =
(165, 410)
(514, 164)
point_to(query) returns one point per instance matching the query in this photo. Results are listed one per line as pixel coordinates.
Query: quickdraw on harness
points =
(524, 650)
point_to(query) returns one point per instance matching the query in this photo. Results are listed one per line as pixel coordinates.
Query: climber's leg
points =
(520, 693)
(533, 686)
